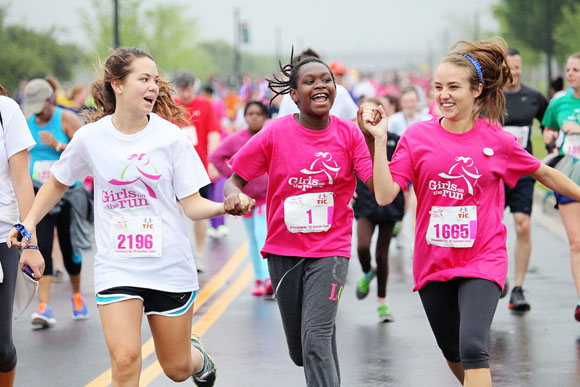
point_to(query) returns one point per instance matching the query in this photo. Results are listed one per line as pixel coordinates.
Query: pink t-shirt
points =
(460, 170)
(302, 161)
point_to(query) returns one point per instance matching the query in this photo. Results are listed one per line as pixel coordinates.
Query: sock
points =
(382, 300)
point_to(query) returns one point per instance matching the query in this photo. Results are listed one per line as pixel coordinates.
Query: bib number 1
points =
(311, 212)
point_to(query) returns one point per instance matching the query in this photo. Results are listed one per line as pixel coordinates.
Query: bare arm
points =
(557, 181)
(197, 207)
(48, 195)
(22, 185)
(385, 189)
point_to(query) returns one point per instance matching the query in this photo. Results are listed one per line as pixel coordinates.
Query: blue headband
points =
(476, 65)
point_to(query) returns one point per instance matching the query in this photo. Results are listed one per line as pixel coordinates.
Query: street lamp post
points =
(116, 22)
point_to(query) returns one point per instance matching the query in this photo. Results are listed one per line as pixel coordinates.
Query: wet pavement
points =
(244, 333)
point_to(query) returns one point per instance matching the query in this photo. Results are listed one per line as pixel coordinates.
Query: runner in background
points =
(144, 168)
(16, 196)
(203, 130)
(371, 216)
(52, 128)
(457, 163)
(563, 117)
(310, 183)
(523, 104)
(256, 114)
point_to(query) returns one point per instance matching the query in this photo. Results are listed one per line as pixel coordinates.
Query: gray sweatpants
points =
(308, 300)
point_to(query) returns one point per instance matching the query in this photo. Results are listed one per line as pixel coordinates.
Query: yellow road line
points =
(206, 321)
(203, 295)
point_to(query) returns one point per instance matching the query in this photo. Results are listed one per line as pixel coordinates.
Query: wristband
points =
(23, 231)
(59, 146)
(31, 247)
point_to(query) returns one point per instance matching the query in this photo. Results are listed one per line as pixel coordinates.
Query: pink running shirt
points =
(465, 169)
(302, 161)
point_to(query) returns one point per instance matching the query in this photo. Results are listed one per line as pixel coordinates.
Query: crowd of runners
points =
(154, 165)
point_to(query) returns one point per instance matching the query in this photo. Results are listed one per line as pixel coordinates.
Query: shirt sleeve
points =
(520, 163)
(252, 160)
(221, 155)
(74, 163)
(401, 165)
(550, 117)
(189, 174)
(17, 135)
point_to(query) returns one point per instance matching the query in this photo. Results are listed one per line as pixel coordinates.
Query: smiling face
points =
(515, 63)
(315, 89)
(139, 90)
(453, 93)
(573, 73)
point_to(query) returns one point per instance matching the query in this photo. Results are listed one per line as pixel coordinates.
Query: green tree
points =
(164, 31)
(567, 33)
(30, 54)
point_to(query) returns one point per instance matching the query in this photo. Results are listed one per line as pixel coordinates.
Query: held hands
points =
(14, 237)
(239, 204)
(373, 122)
(34, 260)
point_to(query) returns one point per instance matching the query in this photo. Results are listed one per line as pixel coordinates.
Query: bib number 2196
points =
(134, 236)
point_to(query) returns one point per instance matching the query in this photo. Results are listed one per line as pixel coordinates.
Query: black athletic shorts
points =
(154, 301)
(521, 197)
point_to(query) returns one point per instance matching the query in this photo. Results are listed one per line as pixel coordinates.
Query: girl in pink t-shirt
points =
(458, 163)
(310, 158)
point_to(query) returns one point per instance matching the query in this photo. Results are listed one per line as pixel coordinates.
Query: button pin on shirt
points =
(488, 151)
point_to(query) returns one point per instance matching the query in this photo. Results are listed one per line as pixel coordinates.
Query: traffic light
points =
(245, 33)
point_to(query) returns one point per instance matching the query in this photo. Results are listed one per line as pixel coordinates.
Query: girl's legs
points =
(364, 229)
(308, 301)
(43, 316)
(171, 336)
(570, 213)
(382, 257)
(9, 259)
(256, 230)
(460, 312)
(121, 323)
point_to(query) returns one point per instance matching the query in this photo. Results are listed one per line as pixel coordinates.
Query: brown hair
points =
(117, 67)
(491, 56)
(3, 90)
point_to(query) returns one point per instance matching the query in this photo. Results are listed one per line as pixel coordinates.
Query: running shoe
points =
(577, 313)
(362, 288)
(207, 375)
(222, 231)
(385, 314)
(43, 317)
(269, 290)
(212, 232)
(259, 288)
(80, 311)
(505, 290)
(518, 301)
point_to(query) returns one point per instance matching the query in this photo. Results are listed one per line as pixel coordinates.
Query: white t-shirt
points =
(14, 137)
(398, 123)
(138, 179)
(343, 107)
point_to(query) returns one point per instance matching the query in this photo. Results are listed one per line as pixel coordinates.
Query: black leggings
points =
(365, 230)
(9, 259)
(460, 312)
(45, 236)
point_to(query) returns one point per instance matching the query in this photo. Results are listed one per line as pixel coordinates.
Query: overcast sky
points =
(351, 30)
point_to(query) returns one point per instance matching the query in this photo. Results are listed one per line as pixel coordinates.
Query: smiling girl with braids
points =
(310, 158)
(458, 163)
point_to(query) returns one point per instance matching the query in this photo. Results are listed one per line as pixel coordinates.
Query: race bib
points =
(191, 134)
(135, 236)
(571, 146)
(452, 226)
(311, 212)
(522, 133)
(41, 170)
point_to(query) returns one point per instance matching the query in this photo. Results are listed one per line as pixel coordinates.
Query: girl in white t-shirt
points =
(16, 196)
(142, 166)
